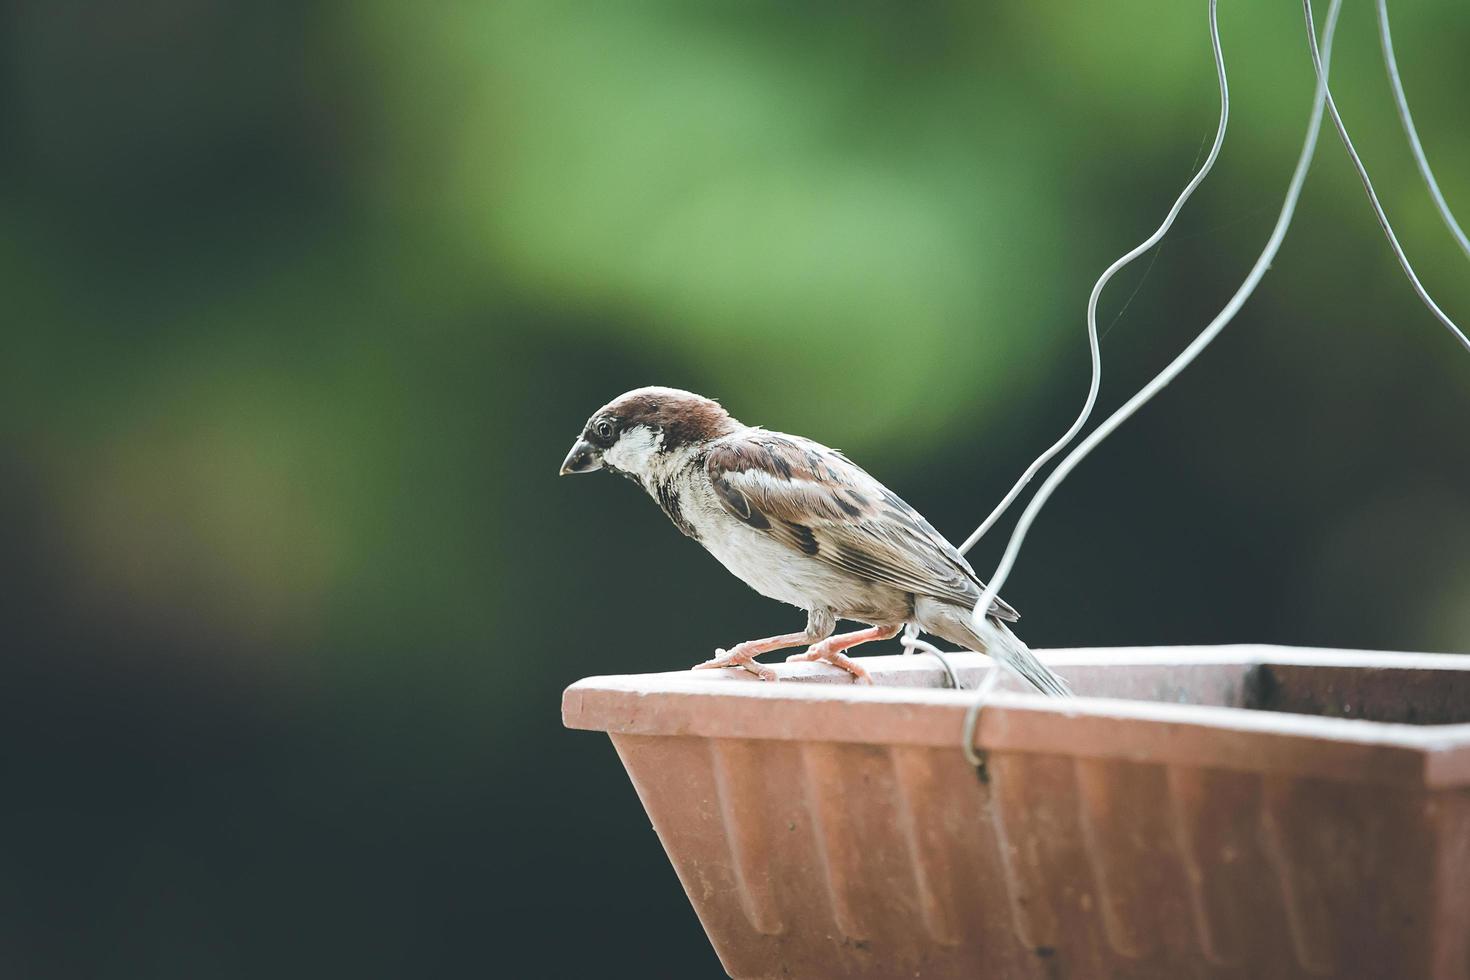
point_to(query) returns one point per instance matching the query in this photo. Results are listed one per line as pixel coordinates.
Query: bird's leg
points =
(744, 654)
(831, 649)
(819, 625)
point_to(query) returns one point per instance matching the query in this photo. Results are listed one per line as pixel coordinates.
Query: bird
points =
(800, 523)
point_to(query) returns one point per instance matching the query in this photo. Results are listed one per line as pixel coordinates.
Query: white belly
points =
(764, 564)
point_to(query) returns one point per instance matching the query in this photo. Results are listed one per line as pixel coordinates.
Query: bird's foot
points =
(738, 658)
(744, 654)
(821, 651)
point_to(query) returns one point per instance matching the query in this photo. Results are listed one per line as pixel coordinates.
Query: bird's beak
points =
(584, 458)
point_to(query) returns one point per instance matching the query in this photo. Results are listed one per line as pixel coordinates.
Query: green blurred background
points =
(305, 302)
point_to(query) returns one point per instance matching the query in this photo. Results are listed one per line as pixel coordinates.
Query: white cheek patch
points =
(635, 449)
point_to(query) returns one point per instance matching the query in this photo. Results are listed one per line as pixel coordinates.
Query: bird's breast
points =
(671, 493)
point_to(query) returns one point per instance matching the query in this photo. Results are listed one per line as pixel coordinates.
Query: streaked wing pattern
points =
(816, 501)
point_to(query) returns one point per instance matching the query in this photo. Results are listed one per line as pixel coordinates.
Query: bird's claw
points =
(836, 658)
(747, 661)
(722, 658)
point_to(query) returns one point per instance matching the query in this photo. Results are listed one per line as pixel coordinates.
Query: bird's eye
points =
(603, 428)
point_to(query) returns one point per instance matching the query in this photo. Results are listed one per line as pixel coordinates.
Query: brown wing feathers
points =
(818, 502)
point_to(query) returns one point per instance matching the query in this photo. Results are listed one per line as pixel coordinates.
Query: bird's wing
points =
(818, 502)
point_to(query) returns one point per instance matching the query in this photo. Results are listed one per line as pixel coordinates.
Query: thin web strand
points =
(1112, 270)
(1391, 65)
(1152, 261)
(1368, 186)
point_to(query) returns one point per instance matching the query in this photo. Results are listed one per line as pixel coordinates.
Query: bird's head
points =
(634, 432)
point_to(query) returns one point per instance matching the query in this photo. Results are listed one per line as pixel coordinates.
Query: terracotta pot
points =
(1225, 811)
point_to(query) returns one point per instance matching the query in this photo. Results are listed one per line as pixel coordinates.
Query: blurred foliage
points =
(305, 302)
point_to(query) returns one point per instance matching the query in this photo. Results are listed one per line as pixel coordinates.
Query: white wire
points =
(912, 643)
(972, 716)
(1169, 373)
(1392, 66)
(1112, 270)
(1368, 186)
(910, 639)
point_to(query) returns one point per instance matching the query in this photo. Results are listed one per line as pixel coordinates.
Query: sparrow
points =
(797, 522)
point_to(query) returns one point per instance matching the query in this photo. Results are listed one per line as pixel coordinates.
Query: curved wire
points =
(972, 716)
(910, 639)
(1368, 186)
(1108, 273)
(1391, 64)
(1273, 244)
(911, 644)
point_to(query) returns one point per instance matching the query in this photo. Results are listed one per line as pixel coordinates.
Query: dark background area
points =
(304, 303)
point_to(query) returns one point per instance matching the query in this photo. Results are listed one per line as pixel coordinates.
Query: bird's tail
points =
(953, 624)
(1019, 658)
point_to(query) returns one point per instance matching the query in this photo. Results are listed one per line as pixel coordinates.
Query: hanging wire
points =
(910, 639)
(1391, 64)
(978, 616)
(911, 644)
(1103, 280)
(1368, 186)
(972, 720)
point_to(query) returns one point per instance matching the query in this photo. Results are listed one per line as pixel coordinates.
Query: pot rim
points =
(824, 706)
